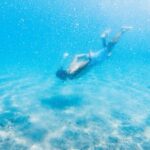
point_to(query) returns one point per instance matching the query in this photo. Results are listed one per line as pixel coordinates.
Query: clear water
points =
(107, 108)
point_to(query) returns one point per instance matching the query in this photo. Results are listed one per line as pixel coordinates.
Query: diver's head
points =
(61, 74)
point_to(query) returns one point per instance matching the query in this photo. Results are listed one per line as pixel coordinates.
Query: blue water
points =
(107, 108)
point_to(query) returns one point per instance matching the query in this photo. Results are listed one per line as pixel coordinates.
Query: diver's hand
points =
(65, 55)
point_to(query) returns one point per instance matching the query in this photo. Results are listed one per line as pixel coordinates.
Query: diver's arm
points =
(75, 67)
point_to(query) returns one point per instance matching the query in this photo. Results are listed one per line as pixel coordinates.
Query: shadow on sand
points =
(61, 102)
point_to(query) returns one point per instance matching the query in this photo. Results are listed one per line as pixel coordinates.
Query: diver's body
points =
(81, 61)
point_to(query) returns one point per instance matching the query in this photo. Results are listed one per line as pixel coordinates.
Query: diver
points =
(82, 61)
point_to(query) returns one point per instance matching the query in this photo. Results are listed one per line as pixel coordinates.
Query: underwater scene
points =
(74, 75)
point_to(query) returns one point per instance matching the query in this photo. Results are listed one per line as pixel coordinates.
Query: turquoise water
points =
(107, 108)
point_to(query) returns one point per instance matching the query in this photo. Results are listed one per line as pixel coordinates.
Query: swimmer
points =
(82, 61)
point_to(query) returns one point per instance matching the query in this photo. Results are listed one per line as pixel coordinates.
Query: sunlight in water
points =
(105, 108)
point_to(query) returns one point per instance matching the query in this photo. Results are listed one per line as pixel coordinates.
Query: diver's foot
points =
(105, 33)
(126, 28)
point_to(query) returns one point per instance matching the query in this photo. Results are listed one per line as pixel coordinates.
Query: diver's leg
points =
(104, 35)
(117, 37)
(104, 43)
